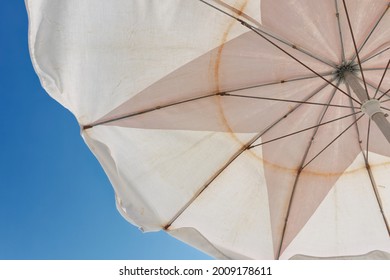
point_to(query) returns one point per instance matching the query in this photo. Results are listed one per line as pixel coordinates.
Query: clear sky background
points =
(55, 200)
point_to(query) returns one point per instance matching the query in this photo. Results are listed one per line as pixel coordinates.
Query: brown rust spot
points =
(239, 11)
(284, 169)
(217, 66)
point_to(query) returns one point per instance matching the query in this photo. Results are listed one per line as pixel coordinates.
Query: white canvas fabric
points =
(228, 124)
(374, 255)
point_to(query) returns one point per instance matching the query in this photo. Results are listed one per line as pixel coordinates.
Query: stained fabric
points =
(228, 124)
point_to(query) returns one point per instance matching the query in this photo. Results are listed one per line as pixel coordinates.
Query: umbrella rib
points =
(371, 32)
(292, 110)
(238, 12)
(147, 111)
(286, 100)
(370, 85)
(384, 108)
(281, 82)
(235, 156)
(107, 121)
(356, 50)
(368, 137)
(383, 93)
(357, 128)
(303, 130)
(387, 100)
(295, 47)
(340, 33)
(383, 76)
(331, 142)
(374, 55)
(329, 63)
(299, 173)
(368, 167)
(377, 196)
(375, 69)
(311, 127)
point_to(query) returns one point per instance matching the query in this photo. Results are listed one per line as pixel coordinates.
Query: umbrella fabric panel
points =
(156, 173)
(374, 255)
(380, 168)
(233, 211)
(318, 32)
(346, 223)
(373, 78)
(301, 23)
(377, 59)
(92, 57)
(194, 238)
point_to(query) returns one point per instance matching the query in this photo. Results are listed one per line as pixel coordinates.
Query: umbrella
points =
(249, 129)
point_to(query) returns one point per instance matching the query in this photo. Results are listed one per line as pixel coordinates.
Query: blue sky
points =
(55, 200)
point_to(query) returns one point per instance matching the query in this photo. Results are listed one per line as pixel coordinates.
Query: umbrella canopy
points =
(246, 128)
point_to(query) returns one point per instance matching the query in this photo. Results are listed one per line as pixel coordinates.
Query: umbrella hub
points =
(343, 68)
(371, 107)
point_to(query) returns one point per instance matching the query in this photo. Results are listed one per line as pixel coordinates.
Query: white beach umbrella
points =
(246, 128)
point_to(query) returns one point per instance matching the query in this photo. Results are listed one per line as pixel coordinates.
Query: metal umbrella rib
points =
(368, 167)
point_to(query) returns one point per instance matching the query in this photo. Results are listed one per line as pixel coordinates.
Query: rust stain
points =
(284, 169)
(217, 66)
(239, 12)
(216, 75)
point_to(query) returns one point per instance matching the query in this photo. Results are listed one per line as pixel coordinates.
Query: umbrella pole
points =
(369, 106)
